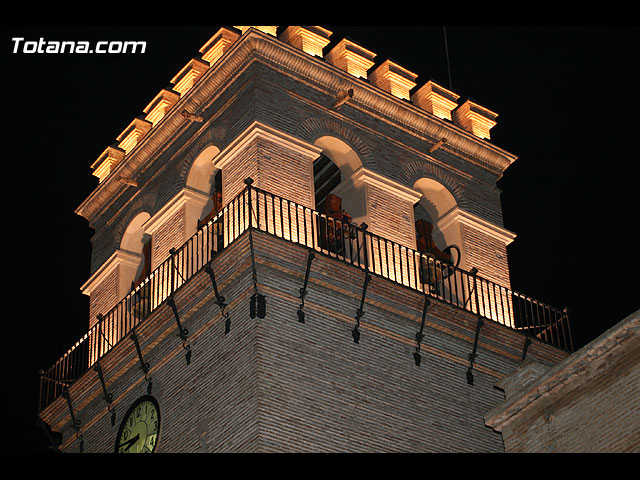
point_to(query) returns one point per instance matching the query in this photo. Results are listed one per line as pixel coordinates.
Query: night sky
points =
(566, 97)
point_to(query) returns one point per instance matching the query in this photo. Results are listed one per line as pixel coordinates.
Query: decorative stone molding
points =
(435, 99)
(217, 45)
(131, 135)
(257, 46)
(186, 197)
(308, 39)
(160, 105)
(189, 75)
(475, 118)
(107, 162)
(266, 29)
(364, 176)
(351, 57)
(458, 215)
(531, 391)
(119, 260)
(393, 78)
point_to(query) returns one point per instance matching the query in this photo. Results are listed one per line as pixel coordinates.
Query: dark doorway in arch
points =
(333, 225)
(326, 177)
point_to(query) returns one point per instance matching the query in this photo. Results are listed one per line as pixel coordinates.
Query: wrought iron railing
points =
(347, 242)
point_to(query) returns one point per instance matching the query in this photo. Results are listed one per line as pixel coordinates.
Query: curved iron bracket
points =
(220, 300)
(419, 334)
(144, 366)
(75, 423)
(473, 354)
(55, 438)
(183, 333)
(303, 290)
(108, 397)
(355, 333)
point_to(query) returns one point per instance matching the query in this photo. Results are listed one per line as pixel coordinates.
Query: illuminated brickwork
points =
(268, 111)
(277, 385)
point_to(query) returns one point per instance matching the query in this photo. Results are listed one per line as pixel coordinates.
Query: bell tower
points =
(298, 248)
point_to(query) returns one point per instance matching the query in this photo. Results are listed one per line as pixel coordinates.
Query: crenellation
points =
(271, 30)
(187, 77)
(160, 105)
(132, 135)
(217, 45)
(107, 161)
(393, 78)
(436, 99)
(476, 118)
(351, 57)
(311, 39)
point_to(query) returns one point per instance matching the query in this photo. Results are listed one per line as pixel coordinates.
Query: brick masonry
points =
(277, 385)
(587, 403)
(274, 384)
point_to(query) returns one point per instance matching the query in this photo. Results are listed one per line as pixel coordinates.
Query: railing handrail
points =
(365, 250)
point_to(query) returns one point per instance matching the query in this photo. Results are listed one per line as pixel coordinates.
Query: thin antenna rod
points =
(446, 49)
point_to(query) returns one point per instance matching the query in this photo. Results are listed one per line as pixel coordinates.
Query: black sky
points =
(566, 98)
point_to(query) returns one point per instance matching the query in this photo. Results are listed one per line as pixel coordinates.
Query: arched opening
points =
(326, 177)
(434, 235)
(332, 175)
(439, 239)
(135, 241)
(335, 194)
(204, 177)
(132, 274)
(202, 173)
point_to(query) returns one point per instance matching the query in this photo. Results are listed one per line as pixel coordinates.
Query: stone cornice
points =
(119, 257)
(258, 46)
(182, 198)
(461, 216)
(257, 131)
(579, 368)
(365, 176)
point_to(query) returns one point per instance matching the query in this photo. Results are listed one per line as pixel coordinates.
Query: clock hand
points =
(127, 445)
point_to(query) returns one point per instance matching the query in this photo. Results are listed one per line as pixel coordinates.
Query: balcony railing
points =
(346, 242)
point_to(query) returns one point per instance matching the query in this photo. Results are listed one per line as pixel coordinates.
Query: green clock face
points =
(140, 426)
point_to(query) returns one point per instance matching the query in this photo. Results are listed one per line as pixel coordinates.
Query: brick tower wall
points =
(277, 385)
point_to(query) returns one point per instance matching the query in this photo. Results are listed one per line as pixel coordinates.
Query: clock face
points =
(139, 429)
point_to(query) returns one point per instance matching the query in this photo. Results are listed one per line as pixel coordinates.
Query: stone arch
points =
(202, 171)
(345, 162)
(197, 161)
(135, 254)
(440, 206)
(314, 128)
(436, 199)
(132, 238)
(341, 153)
(411, 172)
